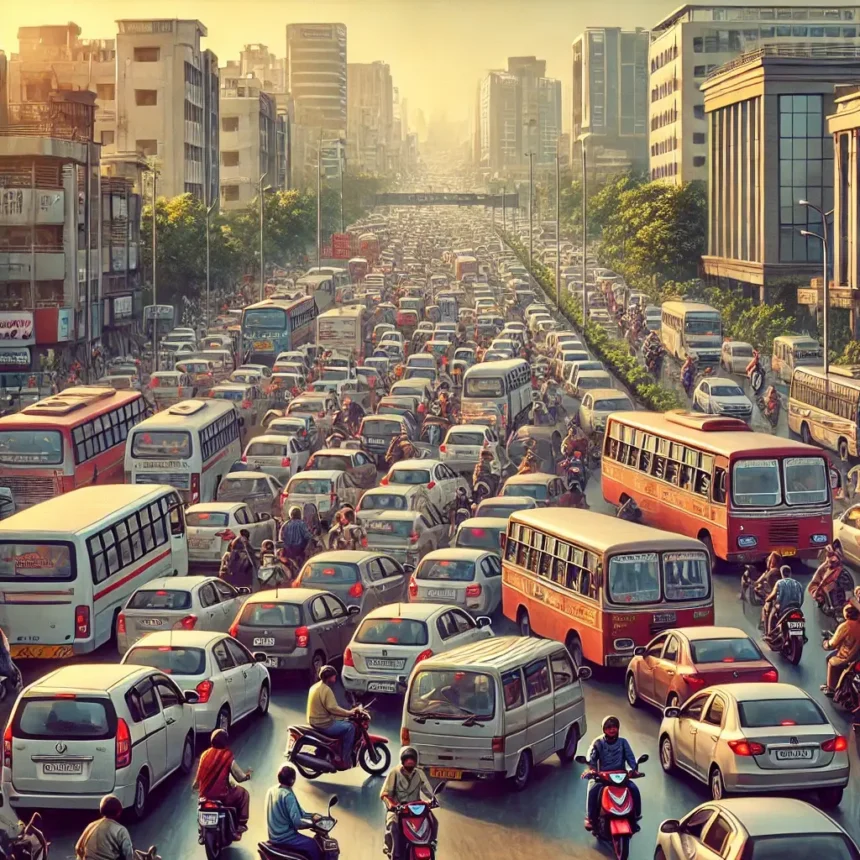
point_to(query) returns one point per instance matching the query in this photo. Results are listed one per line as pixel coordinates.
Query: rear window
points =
(478, 538)
(460, 438)
(383, 502)
(160, 599)
(612, 405)
(399, 528)
(833, 846)
(446, 570)
(409, 476)
(780, 712)
(501, 510)
(392, 631)
(306, 406)
(310, 486)
(238, 489)
(330, 462)
(266, 449)
(533, 491)
(170, 660)
(227, 394)
(36, 562)
(204, 519)
(72, 718)
(271, 615)
(724, 651)
(330, 573)
(161, 443)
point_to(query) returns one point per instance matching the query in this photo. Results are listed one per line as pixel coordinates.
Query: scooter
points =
(217, 827)
(847, 692)
(771, 414)
(28, 843)
(615, 822)
(329, 848)
(756, 377)
(415, 827)
(788, 634)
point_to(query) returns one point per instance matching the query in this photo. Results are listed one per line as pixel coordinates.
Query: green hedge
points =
(614, 354)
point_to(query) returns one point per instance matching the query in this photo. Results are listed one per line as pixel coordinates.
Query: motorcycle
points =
(575, 472)
(485, 488)
(28, 843)
(771, 413)
(329, 848)
(217, 827)
(615, 822)
(847, 692)
(314, 753)
(831, 600)
(415, 826)
(461, 515)
(756, 376)
(787, 634)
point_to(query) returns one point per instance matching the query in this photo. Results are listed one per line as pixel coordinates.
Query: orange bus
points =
(601, 585)
(743, 494)
(67, 441)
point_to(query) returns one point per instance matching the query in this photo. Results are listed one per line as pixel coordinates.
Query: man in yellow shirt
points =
(323, 711)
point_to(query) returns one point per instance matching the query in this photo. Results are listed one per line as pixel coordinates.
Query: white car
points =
(599, 315)
(230, 682)
(421, 359)
(464, 444)
(211, 526)
(278, 456)
(468, 578)
(392, 639)
(718, 396)
(598, 404)
(326, 489)
(439, 479)
(178, 603)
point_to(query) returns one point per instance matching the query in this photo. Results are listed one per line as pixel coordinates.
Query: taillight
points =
(82, 622)
(356, 590)
(796, 616)
(695, 682)
(413, 537)
(7, 746)
(443, 448)
(347, 658)
(234, 629)
(431, 485)
(123, 744)
(120, 623)
(303, 636)
(413, 586)
(384, 482)
(837, 744)
(186, 623)
(204, 691)
(473, 590)
(246, 404)
(771, 675)
(285, 462)
(244, 458)
(195, 488)
(332, 499)
(404, 736)
(746, 748)
(424, 655)
(498, 745)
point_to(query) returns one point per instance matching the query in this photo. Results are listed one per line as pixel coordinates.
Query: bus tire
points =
(524, 623)
(574, 648)
(842, 450)
(705, 538)
(805, 435)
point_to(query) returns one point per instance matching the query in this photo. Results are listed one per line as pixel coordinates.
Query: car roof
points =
(754, 691)
(454, 553)
(97, 677)
(500, 652)
(210, 507)
(180, 638)
(354, 556)
(285, 595)
(608, 392)
(373, 514)
(472, 428)
(397, 489)
(329, 474)
(273, 438)
(415, 464)
(530, 478)
(336, 452)
(233, 476)
(777, 816)
(694, 634)
(507, 501)
(416, 611)
(721, 379)
(484, 522)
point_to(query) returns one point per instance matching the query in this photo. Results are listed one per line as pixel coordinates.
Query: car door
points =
(466, 630)
(343, 622)
(324, 627)
(363, 470)
(445, 488)
(299, 453)
(491, 571)
(233, 677)
(210, 612)
(585, 413)
(567, 695)
(393, 580)
(686, 729)
(646, 666)
(155, 728)
(848, 533)
(540, 729)
(687, 844)
(229, 602)
(246, 676)
(178, 719)
(703, 397)
(708, 735)
(666, 669)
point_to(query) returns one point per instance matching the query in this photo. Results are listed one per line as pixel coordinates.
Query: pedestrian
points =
(242, 562)
(106, 838)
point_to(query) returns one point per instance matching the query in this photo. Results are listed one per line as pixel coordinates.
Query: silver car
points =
(212, 526)
(470, 578)
(278, 456)
(405, 535)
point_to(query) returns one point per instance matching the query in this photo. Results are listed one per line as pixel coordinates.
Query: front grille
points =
(784, 532)
(29, 491)
(180, 480)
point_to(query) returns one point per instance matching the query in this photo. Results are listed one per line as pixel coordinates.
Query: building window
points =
(698, 45)
(698, 161)
(230, 123)
(147, 147)
(699, 71)
(147, 55)
(699, 111)
(230, 192)
(146, 98)
(108, 138)
(699, 137)
(230, 158)
(106, 92)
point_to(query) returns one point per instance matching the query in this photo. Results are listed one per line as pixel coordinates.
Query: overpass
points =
(446, 198)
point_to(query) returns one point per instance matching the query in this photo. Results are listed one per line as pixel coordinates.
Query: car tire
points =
(716, 784)
(317, 662)
(567, 753)
(186, 763)
(667, 755)
(830, 798)
(574, 648)
(137, 810)
(523, 773)
(223, 720)
(263, 699)
(632, 693)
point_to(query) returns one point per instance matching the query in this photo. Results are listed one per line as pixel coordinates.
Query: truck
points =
(465, 266)
(341, 330)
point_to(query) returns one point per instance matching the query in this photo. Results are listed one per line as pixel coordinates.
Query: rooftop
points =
(739, 12)
(826, 53)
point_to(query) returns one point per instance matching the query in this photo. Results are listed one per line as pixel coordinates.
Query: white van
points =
(494, 709)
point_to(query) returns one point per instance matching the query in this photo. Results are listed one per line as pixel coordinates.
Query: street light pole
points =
(262, 266)
(531, 208)
(557, 228)
(208, 214)
(584, 232)
(319, 202)
(154, 271)
(825, 297)
(505, 208)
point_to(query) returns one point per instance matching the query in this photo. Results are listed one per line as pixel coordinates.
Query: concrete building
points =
(770, 148)
(259, 62)
(610, 99)
(370, 116)
(695, 39)
(499, 122)
(316, 75)
(167, 102)
(249, 141)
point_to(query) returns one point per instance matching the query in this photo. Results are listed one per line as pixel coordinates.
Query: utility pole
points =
(505, 208)
(262, 265)
(557, 228)
(342, 172)
(208, 215)
(319, 201)
(154, 272)
(531, 208)
(584, 232)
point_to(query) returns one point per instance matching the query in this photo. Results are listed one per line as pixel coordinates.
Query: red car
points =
(678, 663)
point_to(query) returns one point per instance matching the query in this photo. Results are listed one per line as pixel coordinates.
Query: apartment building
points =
(259, 62)
(693, 41)
(370, 116)
(499, 122)
(167, 102)
(610, 99)
(316, 75)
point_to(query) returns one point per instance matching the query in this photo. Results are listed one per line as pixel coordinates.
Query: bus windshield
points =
(634, 578)
(265, 319)
(707, 324)
(162, 443)
(759, 483)
(484, 386)
(33, 447)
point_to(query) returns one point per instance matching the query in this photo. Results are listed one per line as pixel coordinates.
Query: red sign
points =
(325, 252)
(341, 246)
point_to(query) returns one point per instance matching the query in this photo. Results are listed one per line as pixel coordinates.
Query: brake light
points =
(123, 744)
(302, 637)
(771, 675)
(413, 586)
(837, 744)
(195, 488)
(473, 590)
(82, 622)
(443, 448)
(347, 658)
(7, 746)
(186, 623)
(246, 404)
(356, 590)
(796, 616)
(244, 458)
(384, 482)
(204, 691)
(746, 748)
(286, 462)
(404, 736)
(120, 623)
(234, 629)
(424, 655)
(431, 485)
(413, 537)
(696, 682)
(498, 745)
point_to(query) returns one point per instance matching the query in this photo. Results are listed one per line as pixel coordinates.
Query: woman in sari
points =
(216, 767)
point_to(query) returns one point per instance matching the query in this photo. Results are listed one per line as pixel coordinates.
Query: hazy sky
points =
(437, 49)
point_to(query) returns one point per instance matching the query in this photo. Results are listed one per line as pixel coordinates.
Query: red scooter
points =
(415, 824)
(615, 820)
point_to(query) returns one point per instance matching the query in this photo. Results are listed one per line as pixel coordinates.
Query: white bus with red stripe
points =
(68, 565)
(190, 446)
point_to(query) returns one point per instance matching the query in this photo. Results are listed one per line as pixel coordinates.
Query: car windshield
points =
(724, 651)
(500, 509)
(169, 659)
(383, 502)
(381, 428)
(325, 573)
(533, 491)
(237, 489)
(446, 570)
(271, 615)
(330, 462)
(756, 483)
(160, 599)
(478, 537)
(206, 519)
(310, 486)
(634, 578)
(763, 713)
(805, 480)
(287, 427)
(460, 437)
(452, 694)
(399, 528)
(267, 449)
(31, 447)
(334, 375)
(612, 405)
(76, 718)
(592, 381)
(409, 476)
(833, 846)
(726, 391)
(392, 631)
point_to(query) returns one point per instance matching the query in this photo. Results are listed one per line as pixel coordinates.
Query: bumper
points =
(357, 681)
(296, 660)
(32, 800)
(798, 780)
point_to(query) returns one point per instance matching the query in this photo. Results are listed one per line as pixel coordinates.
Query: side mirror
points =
(259, 656)
(243, 589)
(332, 802)
(639, 651)
(670, 825)
(353, 610)
(409, 568)
(484, 621)
(581, 759)
(584, 673)
(671, 712)
(191, 697)
(642, 759)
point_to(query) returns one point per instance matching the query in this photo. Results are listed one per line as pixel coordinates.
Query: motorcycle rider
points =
(462, 502)
(214, 770)
(346, 533)
(540, 415)
(106, 838)
(787, 592)
(846, 641)
(530, 464)
(765, 583)
(284, 817)
(399, 444)
(573, 497)
(483, 470)
(828, 571)
(771, 402)
(404, 784)
(295, 536)
(611, 752)
(326, 716)
(752, 362)
(688, 373)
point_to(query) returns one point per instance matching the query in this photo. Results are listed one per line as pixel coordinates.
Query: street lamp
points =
(208, 214)
(824, 239)
(262, 266)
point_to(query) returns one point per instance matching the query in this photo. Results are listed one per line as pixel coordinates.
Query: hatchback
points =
(469, 578)
(504, 506)
(544, 488)
(440, 480)
(586, 380)
(465, 444)
(261, 492)
(230, 682)
(481, 533)
(326, 490)
(393, 639)
(178, 603)
(278, 456)
(405, 535)
(396, 497)
(598, 405)
(211, 526)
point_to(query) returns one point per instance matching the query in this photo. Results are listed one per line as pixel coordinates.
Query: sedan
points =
(327, 490)
(544, 488)
(359, 465)
(755, 738)
(502, 507)
(846, 527)
(393, 639)
(598, 405)
(676, 664)
(298, 629)
(178, 603)
(231, 682)
(469, 578)
(440, 480)
(261, 492)
(278, 456)
(405, 535)
(396, 497)
(722, 397)
(464, 445)
(588, 380)
(211, 526)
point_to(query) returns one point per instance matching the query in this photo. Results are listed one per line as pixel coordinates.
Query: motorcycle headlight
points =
(747, 541)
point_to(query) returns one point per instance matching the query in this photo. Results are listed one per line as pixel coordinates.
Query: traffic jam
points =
(399, 518)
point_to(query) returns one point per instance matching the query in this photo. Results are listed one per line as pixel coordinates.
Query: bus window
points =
(634, 578)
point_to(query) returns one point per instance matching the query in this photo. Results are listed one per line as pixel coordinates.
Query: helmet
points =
(327, 672)
(408, 752)
(610, 722)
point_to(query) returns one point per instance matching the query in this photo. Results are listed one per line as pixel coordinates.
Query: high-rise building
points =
(499, 122)
(167, 102)
(610, 99)
(257, 61)
(370, 115)
(316, 74)
(693, 41)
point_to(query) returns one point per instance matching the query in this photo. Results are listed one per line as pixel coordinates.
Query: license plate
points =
(373, 441)
(271, 662)
(150, 622)
(785, 550)
(198, 543)
(41, 652)
(442, 593)
(792, 755)
(379, 663)
(207, 819)
(446, 773)
(795, 632)
(63, 767)
(664, 617)
(263, 641)
(381, 687)
(263, 344)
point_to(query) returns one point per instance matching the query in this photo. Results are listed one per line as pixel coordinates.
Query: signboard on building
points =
(158, 312)
(14, 359)
(840, 297)
(64, 324)
(17, 326)
(341, 246)
(122, 307)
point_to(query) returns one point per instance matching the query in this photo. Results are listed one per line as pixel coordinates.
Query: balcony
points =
(16, 263)
(59, 118)
(24, 206)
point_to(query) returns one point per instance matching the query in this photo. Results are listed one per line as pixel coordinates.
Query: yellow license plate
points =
(41, 652)
(446, 773)
(263, 344)
(785, 550)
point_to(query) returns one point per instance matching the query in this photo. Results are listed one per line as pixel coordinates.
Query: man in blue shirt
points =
(787, 592)
(295, 535)
(284, 816)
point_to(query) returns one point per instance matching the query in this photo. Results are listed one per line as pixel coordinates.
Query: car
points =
(755, 738)
(464, 445)
(599, 316)
(422, 359)
(246, 377)
(468, 577)
(278, 456)
(395, 497)
(597, 405)
(168, 387)
(248, 399)
(319, 407)
(211, 526)
(675, 664)
(393, 639)
(263, 370)
(299, 426)
(327, 490)
(565, 359)
(412, 388)
(406, 535)
(544, 488)
(587, 380)
(89, 729)
(294, 355)
(440, 480)
(297, 629)
(358, 577)
(718, 396)
(846, 527)
(231, 683)
(428, 373)
(504, 506)
(260, 491)
(735, 355)
(754, 829)
(575, 368)
(481, 533)
(359, 464)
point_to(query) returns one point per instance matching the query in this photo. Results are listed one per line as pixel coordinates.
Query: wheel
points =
(667, 755)
(716, 784)
(793, 650)
(805, 435)
(621, 846)
(317, 662)
(523, 773)
(632, 695)
(186, 765)
(212, 844)
(305, 771)
(263, 700)
(375, 759)
(524, 624)
(222, 721)
(709, 546)
(574, 648)
(842, 450)
(568, 752)
(141, 794)
(830, 798)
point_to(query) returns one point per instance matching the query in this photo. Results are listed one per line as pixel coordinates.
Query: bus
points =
(743, 494)
(319, 287)
(794, 350)
(692, 329)
(601, 585)
(190, 446)
(68, 565)
(67, 441)
(341, 277)
(506, 385)
(826, 410)
(274, 326)
(341, 330)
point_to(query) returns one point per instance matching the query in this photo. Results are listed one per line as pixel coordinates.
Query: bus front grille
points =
(28, 491)
(784, 532)
(180, 480)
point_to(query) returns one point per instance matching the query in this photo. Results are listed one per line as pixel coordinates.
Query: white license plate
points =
(207, 819)
(263, 641)
(793, 755)
(442, 593)
(63, 767)
(199, 543)
(271, 662)
(795, 632)
(381, 687)
(378, 663)
(373, 441)
(663, 617)
(150, 622)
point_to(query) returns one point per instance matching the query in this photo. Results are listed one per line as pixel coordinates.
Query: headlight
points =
(818, 539)
(747, 541)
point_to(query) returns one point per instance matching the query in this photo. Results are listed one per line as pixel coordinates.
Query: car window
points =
(389, 567)
(672, 647)
(446, 626)
(168, 694)
(335, 607)
(240, 655)
(222, 656)
(695, 824)
(144, 694)
(693, 709)
(718, 835)
(225, 590)
(537, 679)
(243, 516)
(491, 566)
(562, 670)
(655, 649)
(512, 687)
(463, 622)
(319, 612)
(374, 570)
(715, 711)
(208, 597)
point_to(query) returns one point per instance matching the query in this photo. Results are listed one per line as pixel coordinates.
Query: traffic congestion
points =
(389, 556)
